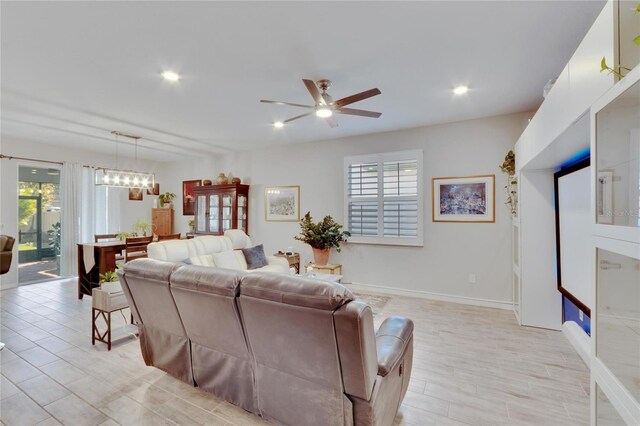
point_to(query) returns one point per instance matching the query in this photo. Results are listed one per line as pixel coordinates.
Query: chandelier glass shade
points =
(124, 178)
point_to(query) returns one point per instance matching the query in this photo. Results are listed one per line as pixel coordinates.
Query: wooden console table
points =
(104, 260)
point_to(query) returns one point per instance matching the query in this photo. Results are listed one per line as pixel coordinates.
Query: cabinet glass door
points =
(227, 206)
(618, 318)
(214, 213)
(618, 147)
(201, 208)
(242, 212)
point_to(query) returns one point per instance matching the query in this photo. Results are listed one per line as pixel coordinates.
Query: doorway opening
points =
(39, 227)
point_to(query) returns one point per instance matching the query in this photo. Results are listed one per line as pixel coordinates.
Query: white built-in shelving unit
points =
(515, 246)
(589, 110)
(615, 359)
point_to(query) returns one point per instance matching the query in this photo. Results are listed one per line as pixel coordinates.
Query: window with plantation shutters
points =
(383, 198)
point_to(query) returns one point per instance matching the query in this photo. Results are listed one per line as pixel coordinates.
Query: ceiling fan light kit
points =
(325, 106)
(324, 112)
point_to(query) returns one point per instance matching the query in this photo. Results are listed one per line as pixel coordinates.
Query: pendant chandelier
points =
(125, 178)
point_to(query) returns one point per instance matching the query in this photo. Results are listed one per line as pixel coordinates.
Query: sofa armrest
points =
(392, 339)
(280, 261)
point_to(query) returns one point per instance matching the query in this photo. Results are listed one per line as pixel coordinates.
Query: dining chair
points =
(136, 247)
(169, 237)
(101, 238)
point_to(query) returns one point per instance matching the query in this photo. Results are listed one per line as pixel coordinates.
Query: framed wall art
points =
(464, 199)
(155, 190)
(189, 197)
(135, 194)
(282, 203)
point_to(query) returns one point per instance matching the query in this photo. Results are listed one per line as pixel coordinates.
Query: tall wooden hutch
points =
(221, 207)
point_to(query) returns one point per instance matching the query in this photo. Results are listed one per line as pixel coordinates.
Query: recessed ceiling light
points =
(171, 76)
(324, 112)
(33, 171)
(278, 124)
(460, 90)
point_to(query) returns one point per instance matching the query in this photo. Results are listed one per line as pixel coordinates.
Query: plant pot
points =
(320, 256)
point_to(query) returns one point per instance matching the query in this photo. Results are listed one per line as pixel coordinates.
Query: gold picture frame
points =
(282, 203)
(467, 199)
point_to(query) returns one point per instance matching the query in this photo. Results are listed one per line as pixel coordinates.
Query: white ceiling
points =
(73, 71)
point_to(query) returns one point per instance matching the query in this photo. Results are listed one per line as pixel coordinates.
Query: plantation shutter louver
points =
(400, 203)
(363, 194)
(383, 198)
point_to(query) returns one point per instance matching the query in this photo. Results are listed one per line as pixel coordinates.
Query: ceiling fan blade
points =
(285, 103)
(357, 97)
(360, 112)
(313, 89)
(330, 122)
(298, 116)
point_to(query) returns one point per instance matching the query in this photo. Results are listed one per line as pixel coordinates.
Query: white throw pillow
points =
(227, 260)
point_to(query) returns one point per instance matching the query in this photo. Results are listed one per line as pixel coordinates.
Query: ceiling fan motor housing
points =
(324, 85)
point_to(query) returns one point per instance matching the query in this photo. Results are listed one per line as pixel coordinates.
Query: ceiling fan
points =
(325, 106)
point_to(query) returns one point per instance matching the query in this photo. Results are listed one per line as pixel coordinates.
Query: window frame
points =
(380, 159)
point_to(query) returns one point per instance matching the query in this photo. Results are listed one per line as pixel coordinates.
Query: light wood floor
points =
(471, 366)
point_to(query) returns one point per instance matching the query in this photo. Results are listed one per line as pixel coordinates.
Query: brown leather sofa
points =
(6, 253)
(291, 350)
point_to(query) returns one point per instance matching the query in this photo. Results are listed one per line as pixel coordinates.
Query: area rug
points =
(375, 301)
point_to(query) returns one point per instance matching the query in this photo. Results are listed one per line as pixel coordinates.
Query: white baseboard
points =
(487, 303)
(7, 286)
(579, 339)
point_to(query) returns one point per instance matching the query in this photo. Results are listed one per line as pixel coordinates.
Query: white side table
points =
(106, 299)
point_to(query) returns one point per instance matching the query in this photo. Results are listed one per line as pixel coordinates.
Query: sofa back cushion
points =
(290, 329)
(179, 250)
(293, 290)
(209, 244)
(238, 238)
(163, 339)
(206, 300)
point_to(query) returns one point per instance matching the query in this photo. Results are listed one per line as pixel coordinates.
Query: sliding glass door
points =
(38, 224)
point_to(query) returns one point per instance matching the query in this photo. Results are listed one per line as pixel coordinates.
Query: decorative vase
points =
(320, 256)
(222, 179)
(236, 180)
(206, 182)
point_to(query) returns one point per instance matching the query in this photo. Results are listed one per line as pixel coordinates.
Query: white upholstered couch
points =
(201, 250)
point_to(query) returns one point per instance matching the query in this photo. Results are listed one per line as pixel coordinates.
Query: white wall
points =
(130, 211)
(451, 250)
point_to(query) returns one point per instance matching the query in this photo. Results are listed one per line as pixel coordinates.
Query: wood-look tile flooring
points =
(472, 365)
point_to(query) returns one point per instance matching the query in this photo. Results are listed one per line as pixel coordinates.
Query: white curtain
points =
(88, 209)
(71, 194)
(113, 197)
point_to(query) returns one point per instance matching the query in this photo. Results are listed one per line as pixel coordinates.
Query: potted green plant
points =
(508, 167)
(192, 225)
(140, 227)
(108, 277)
(56, 237)
(321, 236)
(124, 235)
(166, 199)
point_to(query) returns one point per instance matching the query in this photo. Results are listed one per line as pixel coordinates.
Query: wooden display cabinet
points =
(162, 221)
(221, 207)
